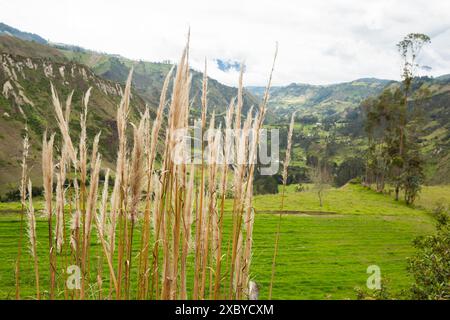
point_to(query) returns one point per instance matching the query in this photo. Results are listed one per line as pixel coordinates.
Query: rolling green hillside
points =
(14, 46)
(331, 120)
(322, 101)
(430, 99)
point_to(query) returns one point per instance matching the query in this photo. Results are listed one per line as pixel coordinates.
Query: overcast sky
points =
(320, 41)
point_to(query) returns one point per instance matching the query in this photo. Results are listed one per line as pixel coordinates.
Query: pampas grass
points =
(178, 207)
(33, 238)
(63, 124)
(23, 192)
(151, 144)
(47, 176)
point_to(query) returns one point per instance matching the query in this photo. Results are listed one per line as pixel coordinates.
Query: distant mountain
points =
(25, 77)
(321, 100)
(5, 29)
(443, 77)
(332, 115)
(28, 67)
(148, 78)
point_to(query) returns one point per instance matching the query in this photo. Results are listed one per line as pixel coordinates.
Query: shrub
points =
(356, 180)
(349, 169)
(375, 294)
(430, 266)
(14, 195)
(265, 185)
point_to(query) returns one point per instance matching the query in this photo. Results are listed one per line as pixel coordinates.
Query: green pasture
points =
(324, 251)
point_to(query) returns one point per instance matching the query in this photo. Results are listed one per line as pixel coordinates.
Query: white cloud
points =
(319, 41)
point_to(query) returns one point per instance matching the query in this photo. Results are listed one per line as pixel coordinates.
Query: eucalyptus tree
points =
(411, 164)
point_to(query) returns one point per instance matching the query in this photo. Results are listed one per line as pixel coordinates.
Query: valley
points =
(350, 149)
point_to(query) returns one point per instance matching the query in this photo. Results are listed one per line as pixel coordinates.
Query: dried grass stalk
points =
(167, 191)
(151, 155)
(63, 125)
(22, 190)
(32, 236)
(47, 176)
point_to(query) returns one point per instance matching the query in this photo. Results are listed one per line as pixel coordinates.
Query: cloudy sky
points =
(320, 41)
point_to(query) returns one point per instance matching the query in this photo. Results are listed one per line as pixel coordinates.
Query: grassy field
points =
(326, 256)
(320, 256)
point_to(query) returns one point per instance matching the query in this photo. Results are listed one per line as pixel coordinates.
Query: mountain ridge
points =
(25, 100)
(28, 67)
(28, 36)
(148, 77)
(324, 112)
(321, 100)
